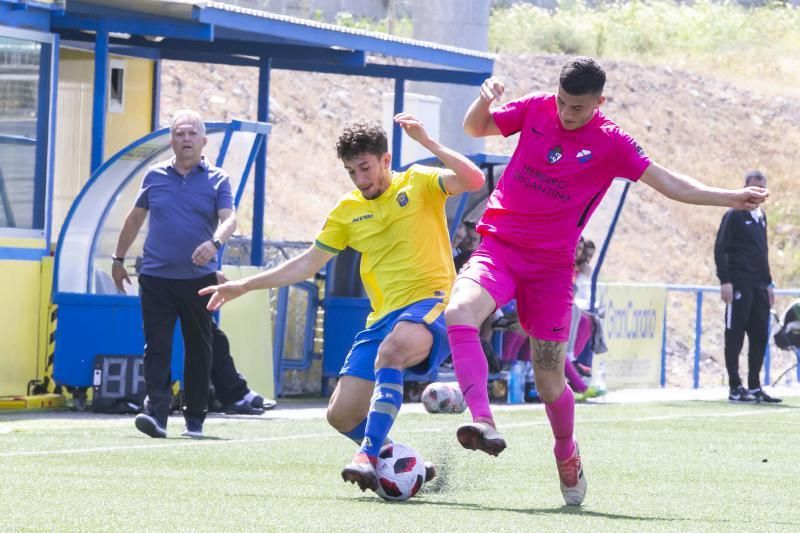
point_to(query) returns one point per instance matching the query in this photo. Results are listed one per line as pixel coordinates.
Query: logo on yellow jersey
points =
(402, 199)
(363, 217)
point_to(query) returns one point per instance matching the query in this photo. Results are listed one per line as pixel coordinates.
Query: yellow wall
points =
(136, 118)
(74, 121)
(247, 321)
(19, 319)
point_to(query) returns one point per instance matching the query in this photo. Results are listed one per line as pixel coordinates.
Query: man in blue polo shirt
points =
(191, 216)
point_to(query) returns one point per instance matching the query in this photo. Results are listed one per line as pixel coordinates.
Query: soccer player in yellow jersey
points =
(397, 221)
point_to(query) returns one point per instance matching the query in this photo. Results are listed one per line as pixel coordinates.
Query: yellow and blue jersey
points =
(402, 237)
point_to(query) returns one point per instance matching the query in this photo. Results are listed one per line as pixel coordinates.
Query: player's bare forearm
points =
(293, 271)
(130, 229)
(478, 120)
(466, 176)
(686, 189)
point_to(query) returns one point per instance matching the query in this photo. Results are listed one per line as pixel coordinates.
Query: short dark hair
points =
(582, 75)
(754, 175)
(361, 137)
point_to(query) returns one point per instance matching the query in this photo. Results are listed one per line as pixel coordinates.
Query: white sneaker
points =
(481, 436)
(573, 482)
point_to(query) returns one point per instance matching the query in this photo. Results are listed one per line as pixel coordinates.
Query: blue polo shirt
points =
(183, 214)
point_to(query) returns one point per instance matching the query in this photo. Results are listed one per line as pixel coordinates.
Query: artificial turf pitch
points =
(680, 466)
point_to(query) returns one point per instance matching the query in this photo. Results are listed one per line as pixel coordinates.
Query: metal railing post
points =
(697, 337)
(664, 348)
(767, 355)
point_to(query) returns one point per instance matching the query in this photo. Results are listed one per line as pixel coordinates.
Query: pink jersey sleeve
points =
(631, 161)
(510, 117)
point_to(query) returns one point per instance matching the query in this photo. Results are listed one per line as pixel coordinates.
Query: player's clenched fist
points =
(492, 89)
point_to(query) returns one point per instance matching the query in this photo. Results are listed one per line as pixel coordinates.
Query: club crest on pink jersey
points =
(554, 155)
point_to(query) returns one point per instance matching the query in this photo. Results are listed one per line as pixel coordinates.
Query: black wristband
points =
(217, 243)
(116, 259)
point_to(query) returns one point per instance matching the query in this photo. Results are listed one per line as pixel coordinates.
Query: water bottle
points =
(516, 383)
(600, 383)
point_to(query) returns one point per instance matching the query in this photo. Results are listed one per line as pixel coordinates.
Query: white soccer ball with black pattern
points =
(443, 398)
(401, 472)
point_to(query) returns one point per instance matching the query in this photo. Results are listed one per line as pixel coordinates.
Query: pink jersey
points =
(556, 177)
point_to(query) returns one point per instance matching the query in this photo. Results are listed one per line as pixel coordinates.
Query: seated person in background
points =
(580, 329)
(229, 386)
(465, 241)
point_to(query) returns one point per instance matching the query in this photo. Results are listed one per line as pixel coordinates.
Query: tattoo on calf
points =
(547, 355)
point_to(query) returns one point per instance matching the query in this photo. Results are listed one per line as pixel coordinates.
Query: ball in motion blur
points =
(401, 472)
(443, 398)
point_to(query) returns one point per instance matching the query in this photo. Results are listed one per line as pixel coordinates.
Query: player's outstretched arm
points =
(688, 190)
(478, 121)
(295, 270)
(464, 175)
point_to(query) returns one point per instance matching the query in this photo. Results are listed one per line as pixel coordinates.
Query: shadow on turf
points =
(564, 509)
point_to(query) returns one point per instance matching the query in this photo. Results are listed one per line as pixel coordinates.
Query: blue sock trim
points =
(357, 434)
(386, 402)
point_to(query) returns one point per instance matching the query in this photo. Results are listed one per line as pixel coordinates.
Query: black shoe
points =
(149, 426)
(762, 397)
(243, 408)
(193, 429)
(259, 402)
(740, 395)
(430, 471)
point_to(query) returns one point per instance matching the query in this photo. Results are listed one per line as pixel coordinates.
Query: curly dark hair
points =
(361, 137)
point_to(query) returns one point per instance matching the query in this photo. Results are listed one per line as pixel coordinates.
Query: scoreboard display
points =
(118, 382)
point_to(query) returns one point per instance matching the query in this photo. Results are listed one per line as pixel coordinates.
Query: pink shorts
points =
(542, 285)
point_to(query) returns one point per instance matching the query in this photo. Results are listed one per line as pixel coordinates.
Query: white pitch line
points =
(210, 442)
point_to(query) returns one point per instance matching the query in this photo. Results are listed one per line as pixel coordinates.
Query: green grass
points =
(759, 43)
(683, 466)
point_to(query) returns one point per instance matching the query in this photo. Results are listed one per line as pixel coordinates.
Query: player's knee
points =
(390, 355)
(459, 313)
(550, 392)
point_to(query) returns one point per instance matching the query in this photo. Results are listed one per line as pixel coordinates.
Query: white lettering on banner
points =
(633, 324)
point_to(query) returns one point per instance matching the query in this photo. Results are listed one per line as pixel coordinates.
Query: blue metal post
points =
(604, 249)
(278, 343)
(698, 333)
(43, 146)
(100, 95)
(51, 150)
(664, 349)
(397, 133)
(260, 175)
(767, 355)
(156, 95)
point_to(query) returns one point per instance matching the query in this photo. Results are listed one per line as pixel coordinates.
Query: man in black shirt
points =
(741, 255)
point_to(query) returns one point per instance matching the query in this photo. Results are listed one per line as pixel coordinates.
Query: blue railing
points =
(699, 291)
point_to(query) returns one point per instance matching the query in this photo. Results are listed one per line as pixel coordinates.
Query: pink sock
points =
(562, 419)
(575, 379)
(472, 370)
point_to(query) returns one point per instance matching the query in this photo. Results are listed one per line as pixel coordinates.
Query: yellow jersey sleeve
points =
(431, 177)
(334, 235)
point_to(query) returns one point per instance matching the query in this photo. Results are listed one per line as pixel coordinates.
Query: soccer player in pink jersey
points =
(566, 158)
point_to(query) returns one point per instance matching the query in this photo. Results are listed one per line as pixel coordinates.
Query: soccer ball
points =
(443, 398)
(401, 472)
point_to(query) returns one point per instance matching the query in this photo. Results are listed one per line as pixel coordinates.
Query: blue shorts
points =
(360, 361)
